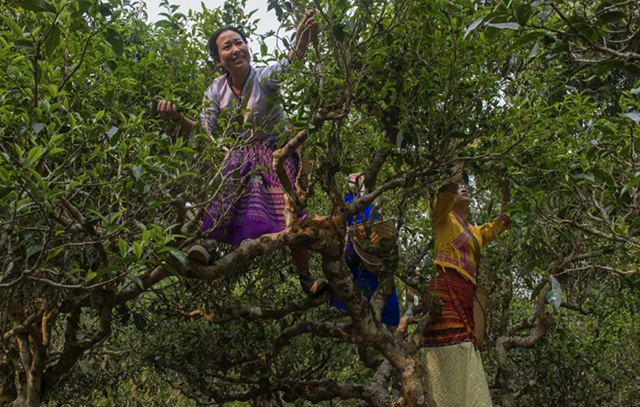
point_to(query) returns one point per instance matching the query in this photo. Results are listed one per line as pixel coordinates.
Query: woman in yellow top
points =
(456, 377)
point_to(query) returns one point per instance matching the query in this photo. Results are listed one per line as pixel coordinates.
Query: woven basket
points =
(380, 243)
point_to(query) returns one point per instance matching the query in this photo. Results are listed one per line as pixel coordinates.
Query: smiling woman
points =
(229, 47)
(251, 202)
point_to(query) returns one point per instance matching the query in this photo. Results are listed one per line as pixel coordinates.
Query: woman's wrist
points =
(297, 51)
(448, 187)
(178, 120)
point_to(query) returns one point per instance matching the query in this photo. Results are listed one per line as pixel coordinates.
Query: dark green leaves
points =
(607, 66)
(612, 17)
(25, 44)
(137, 280)
(53, 40)
(114, 39)
(167, 24)
(37, 6)
(33, 248)
(522, 13)
(498, 20)
(339, 31)
(603, 176)
(4, 191)
(97, 142)
(13, 26)
(180, 256)
(139, 321)
(525, 39)
(630, 185)
(275, 5)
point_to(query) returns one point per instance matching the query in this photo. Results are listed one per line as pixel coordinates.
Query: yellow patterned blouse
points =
(453, 246)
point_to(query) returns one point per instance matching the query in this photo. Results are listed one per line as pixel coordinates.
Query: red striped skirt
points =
(455, 323)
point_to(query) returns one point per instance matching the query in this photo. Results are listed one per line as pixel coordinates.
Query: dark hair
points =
(213, 47)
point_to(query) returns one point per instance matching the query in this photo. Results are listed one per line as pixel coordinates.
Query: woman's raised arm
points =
(492, 230)
(306, 33)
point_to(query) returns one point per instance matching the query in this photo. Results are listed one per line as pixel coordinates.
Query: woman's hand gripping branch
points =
(306, 33)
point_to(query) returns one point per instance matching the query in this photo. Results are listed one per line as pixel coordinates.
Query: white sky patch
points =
(268, 20)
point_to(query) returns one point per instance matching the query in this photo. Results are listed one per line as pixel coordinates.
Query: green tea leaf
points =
(523, 13)
(114, 39)
(33, 248)
(525, 39)
(37, 6)
(137, 280)
(123, 247)
(170, 269)
(34, 155)
(52, 41)
(180, 256)
(4, 191)
(13, 25)
(136, 248)
(630, 185)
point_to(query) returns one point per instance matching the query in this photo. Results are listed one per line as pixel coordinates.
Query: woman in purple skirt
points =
(252, 202)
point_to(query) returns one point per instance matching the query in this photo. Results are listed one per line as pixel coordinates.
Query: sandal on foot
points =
(202, 253)
(312, 286)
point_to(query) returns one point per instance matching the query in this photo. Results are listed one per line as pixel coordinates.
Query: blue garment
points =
(367, 281)
(348, 198)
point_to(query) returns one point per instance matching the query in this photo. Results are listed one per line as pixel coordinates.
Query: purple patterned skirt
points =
(251, 202)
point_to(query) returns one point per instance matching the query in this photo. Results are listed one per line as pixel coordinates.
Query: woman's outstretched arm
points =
(492, 230)
(447, 195)
(444, 202)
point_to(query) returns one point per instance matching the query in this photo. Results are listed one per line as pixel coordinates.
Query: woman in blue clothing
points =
(362, 275)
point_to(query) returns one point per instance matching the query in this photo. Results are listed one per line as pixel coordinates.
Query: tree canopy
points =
(100, 199)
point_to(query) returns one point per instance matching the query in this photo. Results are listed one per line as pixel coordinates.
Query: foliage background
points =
(97, 192)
